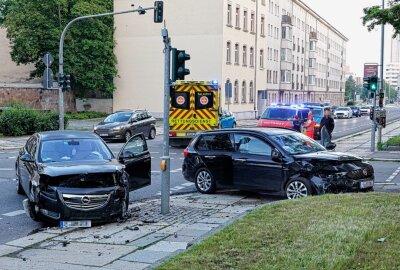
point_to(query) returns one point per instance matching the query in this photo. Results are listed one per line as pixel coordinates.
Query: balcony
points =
(313, 36)
(286, 19)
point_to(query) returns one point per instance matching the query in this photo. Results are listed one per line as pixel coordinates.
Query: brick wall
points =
(35, 97)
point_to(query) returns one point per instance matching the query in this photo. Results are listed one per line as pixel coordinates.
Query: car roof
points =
(266, 130)
(66, 134)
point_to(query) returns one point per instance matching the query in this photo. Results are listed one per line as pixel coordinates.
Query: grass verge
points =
(321, 232)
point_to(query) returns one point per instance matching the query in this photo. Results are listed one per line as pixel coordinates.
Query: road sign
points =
(48, 60)
(370, 69)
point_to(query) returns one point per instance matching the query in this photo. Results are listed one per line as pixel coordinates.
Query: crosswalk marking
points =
(14, 213)
(187, 184)
(6, 169)
(183, 186)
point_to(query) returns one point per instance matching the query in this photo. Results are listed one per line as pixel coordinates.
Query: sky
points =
(345, 15)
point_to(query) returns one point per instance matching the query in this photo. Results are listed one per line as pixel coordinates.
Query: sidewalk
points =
(143, 241)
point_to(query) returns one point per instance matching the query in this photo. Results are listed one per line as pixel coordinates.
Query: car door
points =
(135, 156)
(24, 166)
(253, 166)
(215, 152)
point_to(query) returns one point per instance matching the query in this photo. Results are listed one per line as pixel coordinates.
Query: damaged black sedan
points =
(272, 160)
(72, 177)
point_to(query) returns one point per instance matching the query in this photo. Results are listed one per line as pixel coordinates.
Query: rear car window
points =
(214, 142)
(204, 100)
(303, 114)
(279, 114)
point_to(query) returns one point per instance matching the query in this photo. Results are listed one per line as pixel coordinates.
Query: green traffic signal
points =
(374, 83)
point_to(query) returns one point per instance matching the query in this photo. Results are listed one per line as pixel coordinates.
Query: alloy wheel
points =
(204, 181)
(296, 190)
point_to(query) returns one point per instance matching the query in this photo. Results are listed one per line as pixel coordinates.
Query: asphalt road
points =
(15, 224)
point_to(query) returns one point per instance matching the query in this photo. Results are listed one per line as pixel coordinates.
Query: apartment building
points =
(271, 51)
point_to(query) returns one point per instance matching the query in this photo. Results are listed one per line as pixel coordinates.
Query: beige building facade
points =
(271, 51)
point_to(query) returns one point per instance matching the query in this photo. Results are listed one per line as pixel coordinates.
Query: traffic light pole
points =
(382, 88)
(140, 10)
(165, 165)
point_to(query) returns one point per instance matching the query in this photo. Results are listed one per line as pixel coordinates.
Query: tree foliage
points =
(375, 16)
(34, 28)
(350, 87)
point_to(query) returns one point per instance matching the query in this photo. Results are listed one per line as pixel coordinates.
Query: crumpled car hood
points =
(79, 167)
(327, 155)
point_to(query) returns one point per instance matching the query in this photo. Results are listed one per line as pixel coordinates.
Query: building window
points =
(251, 94)
(252, 18)
(286, 76)
(227, 99)
(245, 20)
(229, 15)
(244, 92)
(236, 54)
(286, 32)
(312, 63)
(262, 25)
(237, 23)
(311, 79)
(261, 58)
(228, 52)
(286, 55)
(312, 45)
(244, 55)
(236, 92)
(251, 57)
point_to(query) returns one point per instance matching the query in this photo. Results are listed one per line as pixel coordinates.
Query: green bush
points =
(23, 121)
(86, 115)
(350, 103)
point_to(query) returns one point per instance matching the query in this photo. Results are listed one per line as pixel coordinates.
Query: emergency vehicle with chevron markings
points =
(194, 107)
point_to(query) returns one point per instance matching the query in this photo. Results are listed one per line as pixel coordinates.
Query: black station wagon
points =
(272, 160)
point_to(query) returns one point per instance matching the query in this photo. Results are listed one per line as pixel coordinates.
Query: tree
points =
(350, 88)
(375, 16)
(34, 28)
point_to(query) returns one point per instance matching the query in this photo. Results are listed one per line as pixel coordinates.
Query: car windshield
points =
(297, 143)
(278, 114)
(118, 117)
(342, 109)
(73, 150)
(364, 107)
(317, 112)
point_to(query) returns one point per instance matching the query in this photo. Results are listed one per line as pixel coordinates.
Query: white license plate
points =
(366, 184)
(76, 224)
(190, 134)
(103, 135)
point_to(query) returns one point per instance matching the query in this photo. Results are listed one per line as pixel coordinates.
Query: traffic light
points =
(67, 85)
(179, 71)
(373, 83)
(158, 11)
(367, 83)
(381, 98)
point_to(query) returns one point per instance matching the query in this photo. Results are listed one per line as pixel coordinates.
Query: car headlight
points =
(117, 128)
(95, 128)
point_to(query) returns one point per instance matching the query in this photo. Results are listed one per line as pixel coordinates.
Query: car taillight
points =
(172, 134)
(185, 152)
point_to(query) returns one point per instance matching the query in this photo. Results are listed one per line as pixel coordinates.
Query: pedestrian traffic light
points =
(179, 58)
(373, 83)
(67, 82)
(381, 98)
(158, 11)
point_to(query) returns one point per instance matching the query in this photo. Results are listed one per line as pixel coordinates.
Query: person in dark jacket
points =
(296, 123)
(328, 122)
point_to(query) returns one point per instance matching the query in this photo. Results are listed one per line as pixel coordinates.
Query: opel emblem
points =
(85, 200)
(365, 172)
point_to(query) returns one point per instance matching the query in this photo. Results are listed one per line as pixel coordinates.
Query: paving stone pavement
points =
(142, 241)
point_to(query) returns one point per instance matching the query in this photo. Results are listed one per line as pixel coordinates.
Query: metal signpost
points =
(165, 163)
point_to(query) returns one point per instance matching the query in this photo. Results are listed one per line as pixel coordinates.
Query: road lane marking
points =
(14, 213)
(177, 188)
(187, 184)
(6, 169)
(393, 176)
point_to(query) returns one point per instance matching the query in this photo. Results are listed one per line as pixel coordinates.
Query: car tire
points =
(298, 188)
(152, 134)
(20, 190)
(127, 136)
(205, 182)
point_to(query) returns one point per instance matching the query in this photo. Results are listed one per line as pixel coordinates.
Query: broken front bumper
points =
(326, 185)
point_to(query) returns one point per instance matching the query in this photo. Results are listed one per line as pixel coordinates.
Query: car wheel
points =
(298, 188)
(152, 134)
(20, 190)
(234, 125)
(205, 182)
(127, 136)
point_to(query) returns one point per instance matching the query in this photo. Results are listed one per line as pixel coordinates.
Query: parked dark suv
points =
(272, 160)
(122, 125)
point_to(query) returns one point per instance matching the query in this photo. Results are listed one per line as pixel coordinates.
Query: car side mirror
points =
(276, 155)
(27, 158)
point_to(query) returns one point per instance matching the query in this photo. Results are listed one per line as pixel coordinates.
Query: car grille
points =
(361, 173)
(85, 202)
(102, 130)
(339, 114)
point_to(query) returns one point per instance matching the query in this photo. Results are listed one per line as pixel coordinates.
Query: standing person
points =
(296, 123)
(328, 122)
(309, 125)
